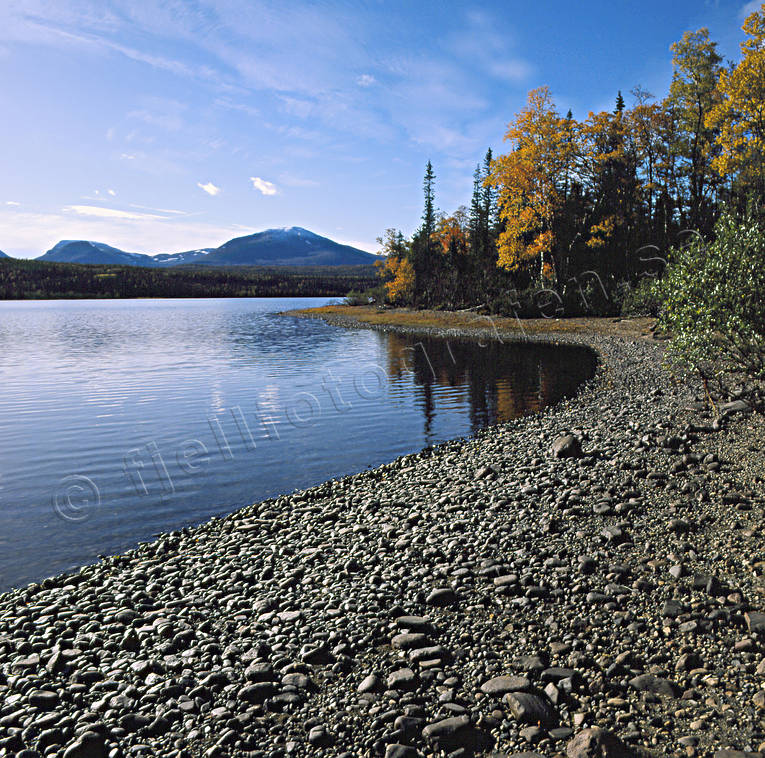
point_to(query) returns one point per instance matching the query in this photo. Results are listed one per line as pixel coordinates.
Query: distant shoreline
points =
(39, 280)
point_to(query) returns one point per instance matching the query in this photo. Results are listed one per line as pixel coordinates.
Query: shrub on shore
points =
(643, 300)
(713, 304)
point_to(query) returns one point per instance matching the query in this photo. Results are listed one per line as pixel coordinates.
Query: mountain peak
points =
(85, 251)
(288, 246)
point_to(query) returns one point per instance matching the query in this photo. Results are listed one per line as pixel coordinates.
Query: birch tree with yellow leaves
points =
(693, 95)
(396, 270)
(739, 114)
(529, 181)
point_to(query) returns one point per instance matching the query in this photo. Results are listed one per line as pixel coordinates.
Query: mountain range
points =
(3, 255)
(293, 246)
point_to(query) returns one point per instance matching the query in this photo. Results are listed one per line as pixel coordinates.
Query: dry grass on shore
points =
(631, 328)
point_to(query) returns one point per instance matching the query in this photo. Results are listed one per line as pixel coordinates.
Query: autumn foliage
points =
(400, 288)
(738, 115)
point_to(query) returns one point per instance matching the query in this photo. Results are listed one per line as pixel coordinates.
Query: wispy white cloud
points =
(480, 44)
(97, 211)
(366, 80)
(515, 70)
(228, 104)
(299, 133)
(112, 192)
(297, 181)
(170, 123)
(298, 106)
(168, 211)
(12, 202)
(86, 25)
(444, 138)
(262, 186)
(750, 8)
(96, 197)
(162, 113)
(160, 62)
(327, 43)
(209, 188)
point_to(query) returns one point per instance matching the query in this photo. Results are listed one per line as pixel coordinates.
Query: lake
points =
(121, 419)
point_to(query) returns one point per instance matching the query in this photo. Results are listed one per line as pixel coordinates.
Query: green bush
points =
(586, 295)
(644, 299)
(356, 298)
(714, 304)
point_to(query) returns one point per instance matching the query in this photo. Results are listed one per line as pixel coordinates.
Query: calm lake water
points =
(121, 419)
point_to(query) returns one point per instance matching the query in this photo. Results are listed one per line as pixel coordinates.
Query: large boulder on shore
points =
(567, 446)
(597, 743)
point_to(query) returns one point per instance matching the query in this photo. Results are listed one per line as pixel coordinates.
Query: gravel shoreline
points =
(482, 597)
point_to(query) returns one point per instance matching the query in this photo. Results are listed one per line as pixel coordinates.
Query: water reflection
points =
(495, 380)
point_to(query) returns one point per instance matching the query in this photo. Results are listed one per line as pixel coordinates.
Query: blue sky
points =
(169, 125)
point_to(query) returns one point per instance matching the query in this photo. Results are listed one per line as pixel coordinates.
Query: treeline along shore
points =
(588, 210)
(36, 280)
(584, 581)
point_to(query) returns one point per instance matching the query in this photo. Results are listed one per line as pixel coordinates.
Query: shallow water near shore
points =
(121, 419)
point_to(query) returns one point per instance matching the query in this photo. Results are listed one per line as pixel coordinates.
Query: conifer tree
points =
(476, 211)
(429, 213)
(423, 259)
(489, 197)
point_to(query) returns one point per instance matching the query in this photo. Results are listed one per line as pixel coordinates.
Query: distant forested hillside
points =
(35, 280)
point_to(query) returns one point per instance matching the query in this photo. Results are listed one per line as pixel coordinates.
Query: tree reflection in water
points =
(500, 381)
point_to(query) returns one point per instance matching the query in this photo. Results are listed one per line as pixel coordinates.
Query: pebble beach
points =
(587, 581)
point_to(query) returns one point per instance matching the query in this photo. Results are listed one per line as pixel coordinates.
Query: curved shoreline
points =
(292, 626)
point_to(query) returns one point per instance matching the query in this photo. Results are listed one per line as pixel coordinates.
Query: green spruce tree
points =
(423, 258)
